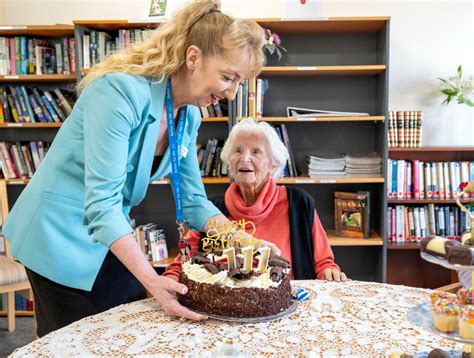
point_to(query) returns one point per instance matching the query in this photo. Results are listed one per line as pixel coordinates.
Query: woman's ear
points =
(193, 57)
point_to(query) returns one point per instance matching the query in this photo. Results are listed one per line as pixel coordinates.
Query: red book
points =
(416, 179)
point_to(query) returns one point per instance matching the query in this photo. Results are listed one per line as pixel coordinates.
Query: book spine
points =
(389, 179)
(421, 172)
(27, 102)
(409, 183)
(428, 185)
(51, 100)
(400, 179)
(46, 113)
(465, 175)
(416, 179)
(394, 178)
(422, 223)
(441, 188)
(447, 182)
(434, 180)
(252, 92)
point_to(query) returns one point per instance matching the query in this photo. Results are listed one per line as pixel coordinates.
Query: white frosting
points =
(199, 274)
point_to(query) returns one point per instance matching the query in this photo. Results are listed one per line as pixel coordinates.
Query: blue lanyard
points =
(175, 142)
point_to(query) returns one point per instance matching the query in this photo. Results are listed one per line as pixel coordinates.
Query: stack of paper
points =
(326, 166)
(364, 164)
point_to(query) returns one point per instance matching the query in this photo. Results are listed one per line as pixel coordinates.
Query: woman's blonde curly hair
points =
(199, 23)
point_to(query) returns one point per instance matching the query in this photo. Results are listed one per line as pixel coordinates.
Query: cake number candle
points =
(247, 251)
(230, 253)
(264, 256)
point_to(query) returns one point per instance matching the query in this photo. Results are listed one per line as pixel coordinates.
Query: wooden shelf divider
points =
(304, 71)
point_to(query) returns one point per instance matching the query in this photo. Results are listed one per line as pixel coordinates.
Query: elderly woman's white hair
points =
(279, 153)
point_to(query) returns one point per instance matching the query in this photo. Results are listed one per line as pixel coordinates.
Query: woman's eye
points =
(227, 78)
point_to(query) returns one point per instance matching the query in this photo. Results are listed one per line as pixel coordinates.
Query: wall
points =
(429, 40)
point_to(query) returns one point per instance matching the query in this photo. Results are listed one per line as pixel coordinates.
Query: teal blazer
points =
(98, 167)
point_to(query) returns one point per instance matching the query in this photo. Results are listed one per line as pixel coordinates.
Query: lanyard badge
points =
(175, 141)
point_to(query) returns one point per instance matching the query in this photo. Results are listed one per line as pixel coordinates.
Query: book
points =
(309, 112)
(351, 214)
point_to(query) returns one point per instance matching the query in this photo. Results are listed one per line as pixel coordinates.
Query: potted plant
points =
(459, 89)
(273, 44)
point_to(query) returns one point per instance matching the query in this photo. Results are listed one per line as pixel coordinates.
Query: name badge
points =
(184, 151)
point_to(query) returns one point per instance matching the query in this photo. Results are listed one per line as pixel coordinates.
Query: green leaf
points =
(460, 71)
(463, 99)
(450, 92)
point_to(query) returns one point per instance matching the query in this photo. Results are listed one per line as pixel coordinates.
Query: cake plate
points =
(281, 314)
(422, 316)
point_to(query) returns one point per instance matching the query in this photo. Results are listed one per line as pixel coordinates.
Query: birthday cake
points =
(236, 286)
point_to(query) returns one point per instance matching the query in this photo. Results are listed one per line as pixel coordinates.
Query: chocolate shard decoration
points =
(199, 259)
(276, 274)
(237, 274)
(211, 268)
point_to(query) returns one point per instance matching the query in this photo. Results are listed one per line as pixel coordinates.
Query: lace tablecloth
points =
(351, 318)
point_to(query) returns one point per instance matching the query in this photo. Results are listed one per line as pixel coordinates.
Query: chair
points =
(12, 274)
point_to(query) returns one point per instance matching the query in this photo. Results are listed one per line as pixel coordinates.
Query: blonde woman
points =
(70, 226)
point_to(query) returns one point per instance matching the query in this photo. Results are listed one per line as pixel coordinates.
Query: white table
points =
(358, 318)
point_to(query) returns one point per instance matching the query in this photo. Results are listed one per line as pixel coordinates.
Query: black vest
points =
(301, 217)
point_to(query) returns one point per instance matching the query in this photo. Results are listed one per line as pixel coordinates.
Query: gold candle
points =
(248, 258)
(264, 256)
(230, 253)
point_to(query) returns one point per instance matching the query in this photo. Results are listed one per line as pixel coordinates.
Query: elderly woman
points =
(283, 215)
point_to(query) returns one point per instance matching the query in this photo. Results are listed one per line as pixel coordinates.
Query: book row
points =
(21, 303)
(413, 224)
(220, 109)
(404, 128)
(21, 55)
(25, 104)
(209, 159)
(418, 180)
(20, 160)
(249, 98)
(98, 45)
(152, 241)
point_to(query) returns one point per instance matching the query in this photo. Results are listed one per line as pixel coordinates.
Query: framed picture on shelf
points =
(157, 9)
(351, 214)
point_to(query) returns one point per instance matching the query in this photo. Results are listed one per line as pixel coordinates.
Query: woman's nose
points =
(231, 92)
(245, 156)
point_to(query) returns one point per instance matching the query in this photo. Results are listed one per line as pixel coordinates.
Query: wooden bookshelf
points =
(326, 25)
(115, 25)
(440, 154)
(403, 245)
(403, 258)
(373, 240)
(320, 119)
(304, 71)
(215, 119)
(37, 30)
(31, 125)
(19, 313)
(36, 78)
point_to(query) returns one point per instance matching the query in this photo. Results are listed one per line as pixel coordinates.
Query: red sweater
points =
(271, 218)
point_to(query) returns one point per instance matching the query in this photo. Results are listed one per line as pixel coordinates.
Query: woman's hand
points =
(164, 290)
(243, 239)
(332, 274)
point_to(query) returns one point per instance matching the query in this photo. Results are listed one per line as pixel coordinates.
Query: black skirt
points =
(56, 305)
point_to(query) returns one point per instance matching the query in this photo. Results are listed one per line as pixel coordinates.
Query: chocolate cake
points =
(216, 289)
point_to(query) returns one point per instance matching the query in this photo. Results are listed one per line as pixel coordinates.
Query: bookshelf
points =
(338, 64)
(335, 64)
(404, 265)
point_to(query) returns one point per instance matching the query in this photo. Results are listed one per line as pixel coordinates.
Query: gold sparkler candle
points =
(230, 253)
(264, 256)
(248, 258)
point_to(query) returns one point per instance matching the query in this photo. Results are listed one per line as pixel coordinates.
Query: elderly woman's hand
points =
(332, 274)
(164, 290)
(245, 239)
